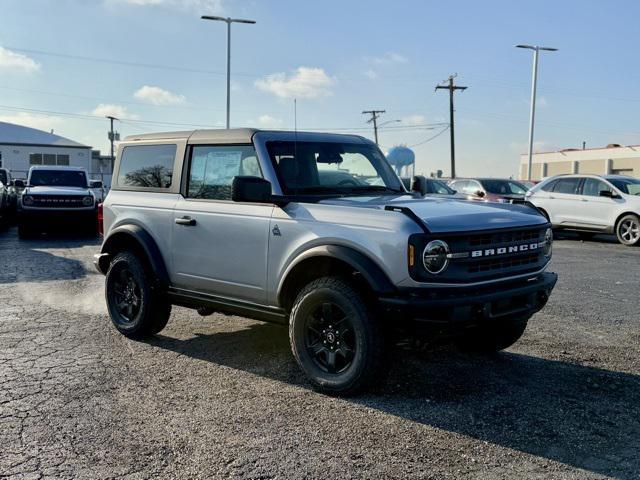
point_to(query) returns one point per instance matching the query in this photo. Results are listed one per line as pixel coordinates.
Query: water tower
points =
(403, 160)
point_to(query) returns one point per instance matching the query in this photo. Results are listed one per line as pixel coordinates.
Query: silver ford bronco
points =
(317, 232)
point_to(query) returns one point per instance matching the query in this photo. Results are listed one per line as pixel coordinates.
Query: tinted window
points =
(567, 185)
(549, 186)
(629, 186)
(503, 187)
(3, 177)
(147, 166)
(593, 187)
(212, 170)
(436, 186)
(58, 178)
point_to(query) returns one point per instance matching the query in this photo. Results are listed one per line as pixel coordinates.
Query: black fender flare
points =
(143, 240)
(370, 271)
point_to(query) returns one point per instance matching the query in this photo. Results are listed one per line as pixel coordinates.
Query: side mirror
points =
(95, 184)
(480, 193)
(419, 184)
(18, 183)
(250, 189)
(609, 194)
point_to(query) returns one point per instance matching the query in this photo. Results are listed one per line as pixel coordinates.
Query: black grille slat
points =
(57, 201)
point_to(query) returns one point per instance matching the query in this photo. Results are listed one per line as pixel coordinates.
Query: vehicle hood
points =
(48, 190)
(442, 215)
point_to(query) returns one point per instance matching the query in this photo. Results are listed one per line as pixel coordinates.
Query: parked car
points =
(4, 205)
(12, 196)
(592, 204)
(56, 197)
(490, 189)
(242, 222)
(431, 187)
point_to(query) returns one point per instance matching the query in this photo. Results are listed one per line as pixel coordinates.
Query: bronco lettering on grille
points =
(489, 252)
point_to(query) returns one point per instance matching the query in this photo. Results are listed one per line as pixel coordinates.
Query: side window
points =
(212, 170)
(548, 187)
(147, 166)
(593, 187)
(472, 187)
(459, 185)
(567, 185)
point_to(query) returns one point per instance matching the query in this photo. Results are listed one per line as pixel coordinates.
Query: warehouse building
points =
(23, 147)
(612, 159)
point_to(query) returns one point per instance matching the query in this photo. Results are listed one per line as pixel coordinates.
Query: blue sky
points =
(166, 68)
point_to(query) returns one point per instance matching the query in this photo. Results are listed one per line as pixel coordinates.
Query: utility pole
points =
(449, 85)
(375, 114)
(113, 136)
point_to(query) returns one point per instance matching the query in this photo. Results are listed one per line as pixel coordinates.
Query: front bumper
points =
(58, 218)
(454, 308)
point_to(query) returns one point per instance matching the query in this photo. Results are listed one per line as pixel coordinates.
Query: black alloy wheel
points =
(128, 296)
(330, 339)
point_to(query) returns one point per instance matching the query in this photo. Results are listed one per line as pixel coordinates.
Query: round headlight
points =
(87, 201)
(27, 200)
(548, 242)
(434, 257)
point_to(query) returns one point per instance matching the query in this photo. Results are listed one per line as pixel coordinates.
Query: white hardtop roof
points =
(230, 136)
(12, 134)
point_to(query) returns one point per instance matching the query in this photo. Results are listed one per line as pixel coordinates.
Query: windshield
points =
(441, 187)
(504, 187)
(58, 178)
(630, 186)
(330, 168)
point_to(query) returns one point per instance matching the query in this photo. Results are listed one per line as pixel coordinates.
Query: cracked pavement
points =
(221, 397)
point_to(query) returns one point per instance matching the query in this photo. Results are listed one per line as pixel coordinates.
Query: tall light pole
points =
(536, 49)
(228, 21)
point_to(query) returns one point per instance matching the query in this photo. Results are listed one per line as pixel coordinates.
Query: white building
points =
(612, 159)
(22, 147)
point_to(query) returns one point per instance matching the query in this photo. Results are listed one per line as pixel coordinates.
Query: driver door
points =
(220, 246)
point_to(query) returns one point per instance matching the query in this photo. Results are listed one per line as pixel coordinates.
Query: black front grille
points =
(57, 201)
(503, 263)
(504, 237)
(480, 256)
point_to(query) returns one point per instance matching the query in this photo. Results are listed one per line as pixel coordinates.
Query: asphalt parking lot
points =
(221, 397)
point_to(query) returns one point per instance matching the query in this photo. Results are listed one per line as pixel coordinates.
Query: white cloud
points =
(305, 82)
(268, 121)
(106, 109)
(41, 122)
(158, 96)
(388, 58)
(371, 74)
(414, 120)
(16, 61)
(200, 6)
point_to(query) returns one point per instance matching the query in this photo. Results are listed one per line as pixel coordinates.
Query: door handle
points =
(186, 221)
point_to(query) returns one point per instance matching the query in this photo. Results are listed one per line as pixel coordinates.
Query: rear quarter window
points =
(147, 166)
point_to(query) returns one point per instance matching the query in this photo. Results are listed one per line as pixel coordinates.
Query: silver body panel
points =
(245, 250)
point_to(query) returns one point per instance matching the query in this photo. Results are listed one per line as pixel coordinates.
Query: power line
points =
(430, 138)
(126, 63)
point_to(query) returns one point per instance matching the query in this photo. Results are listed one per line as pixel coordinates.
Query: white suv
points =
(591, 204)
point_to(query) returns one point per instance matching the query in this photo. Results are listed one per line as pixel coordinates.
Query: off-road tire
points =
(632, 238)
(496, 335)
(365, 337)
(153, 310)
